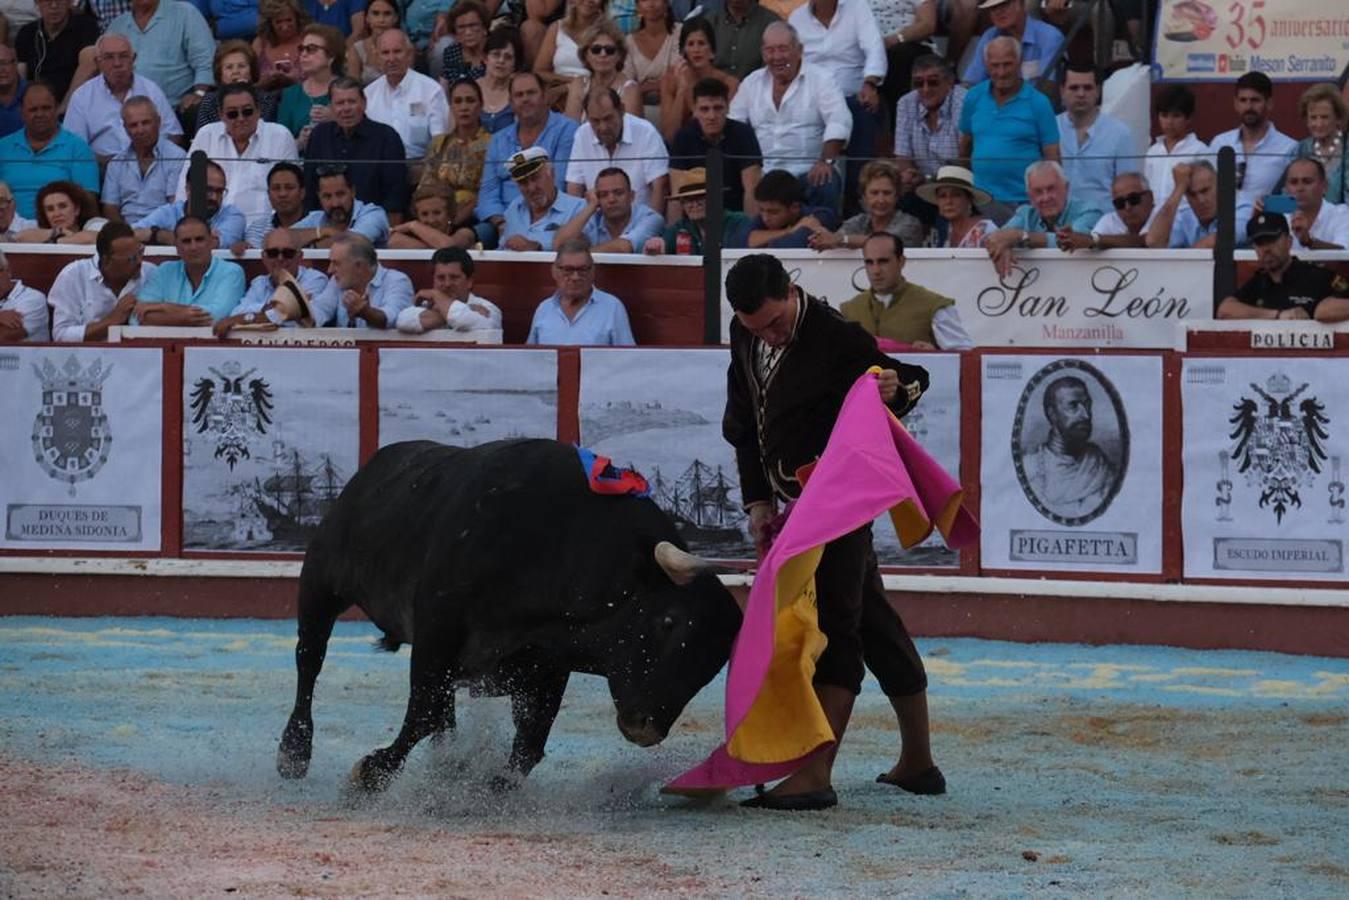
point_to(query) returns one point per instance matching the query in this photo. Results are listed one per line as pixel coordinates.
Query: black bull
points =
(504, 570)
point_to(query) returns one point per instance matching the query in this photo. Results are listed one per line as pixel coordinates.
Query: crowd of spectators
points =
(580, 125)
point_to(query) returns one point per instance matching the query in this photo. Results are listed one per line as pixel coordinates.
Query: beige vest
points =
(907, 319)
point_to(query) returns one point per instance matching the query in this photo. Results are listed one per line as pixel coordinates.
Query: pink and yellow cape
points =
(871, 465)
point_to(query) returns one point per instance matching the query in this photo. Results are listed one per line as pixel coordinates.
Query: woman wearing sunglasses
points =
(603, 53)
(305, 104)
(559, 61)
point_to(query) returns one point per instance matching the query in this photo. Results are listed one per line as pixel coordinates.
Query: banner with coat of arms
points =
(81, 448)
(270, 437)
(1071, 463)
(1266, 441)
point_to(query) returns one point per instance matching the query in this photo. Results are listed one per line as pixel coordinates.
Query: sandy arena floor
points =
(137, 758)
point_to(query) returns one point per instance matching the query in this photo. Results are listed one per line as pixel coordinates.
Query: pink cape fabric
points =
(870, 465)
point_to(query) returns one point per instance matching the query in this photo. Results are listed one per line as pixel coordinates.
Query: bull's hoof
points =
(292, 757)
(504, 784)
(370, 775)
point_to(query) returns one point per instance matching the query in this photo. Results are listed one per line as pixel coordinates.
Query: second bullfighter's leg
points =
(318, 609)
(534, 706)
(430, 707)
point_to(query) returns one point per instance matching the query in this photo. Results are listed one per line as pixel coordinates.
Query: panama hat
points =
(688, 183)
(290, 300)
(953, 176)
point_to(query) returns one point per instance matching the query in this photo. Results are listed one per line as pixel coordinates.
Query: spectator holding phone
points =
(1316, 223)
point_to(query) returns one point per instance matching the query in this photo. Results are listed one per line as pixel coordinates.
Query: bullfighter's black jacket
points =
(783, 422)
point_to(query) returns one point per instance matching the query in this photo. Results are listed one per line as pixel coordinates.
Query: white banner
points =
(81, 448)
(1119, 298)
(1071, 463)
(466, 397)
(660, 412)
(1266, 439)
(1288, 40)
(935, 422)
(270, 437)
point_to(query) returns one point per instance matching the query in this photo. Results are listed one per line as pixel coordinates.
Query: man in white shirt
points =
(1177, 143)
(96, 292)
(1316, 224)
(799, 115)
(842, 38)
(1135, 205)
(245, 146)
(611, 137)
(95, 109)
(23, 311)
(1261, 148)
(11, 223)
(450, 301)
(406, 100)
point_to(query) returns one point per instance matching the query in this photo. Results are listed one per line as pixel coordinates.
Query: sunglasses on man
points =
(1131, 199)
(245, 111)
(280, 252)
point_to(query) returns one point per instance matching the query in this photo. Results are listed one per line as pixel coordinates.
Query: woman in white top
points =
(362, 57)
(652, 51)
(66, 214)
(604, 54)
(958, 201)
(559, 59)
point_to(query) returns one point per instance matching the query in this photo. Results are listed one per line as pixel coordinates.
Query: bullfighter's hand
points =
(888, 383)
(760, 514)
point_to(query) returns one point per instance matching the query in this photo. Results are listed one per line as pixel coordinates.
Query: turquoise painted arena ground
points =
(137, 757)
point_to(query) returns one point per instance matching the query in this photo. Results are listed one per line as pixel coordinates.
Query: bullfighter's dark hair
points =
(890, 236)
(754, 279)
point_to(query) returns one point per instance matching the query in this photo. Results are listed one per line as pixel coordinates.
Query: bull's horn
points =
(681, 566)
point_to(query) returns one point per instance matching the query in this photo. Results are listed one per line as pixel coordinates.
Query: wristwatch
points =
(154, 234)
(250, 318)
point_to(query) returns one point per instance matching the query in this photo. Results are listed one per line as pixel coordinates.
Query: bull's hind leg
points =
(318, 610)
(430, 707)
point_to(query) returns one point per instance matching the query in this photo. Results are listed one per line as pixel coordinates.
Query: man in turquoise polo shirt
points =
(42, 152)
(198, 288)
(1005, 125)
(1052, 218)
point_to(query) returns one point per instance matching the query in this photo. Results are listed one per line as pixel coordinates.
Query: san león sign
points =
(1049, 299)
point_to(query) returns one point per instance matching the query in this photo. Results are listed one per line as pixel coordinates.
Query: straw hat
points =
(957, 177)
(688, 183)
(290, 300)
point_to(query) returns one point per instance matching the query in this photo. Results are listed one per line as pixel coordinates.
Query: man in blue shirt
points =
(1039, 41)
(12, 86)
(373, 152)
(198, 288)
(281, 260)
(372, 295)
(226, 222)
(1096, 147)
(1005, 125)
(609, 220)
(144, 176)
(42, 152)
(340, 212)
(174, 47)
(534, 218)
(579, 313)
(1189, 217)
(1050, 215)
(535, 126)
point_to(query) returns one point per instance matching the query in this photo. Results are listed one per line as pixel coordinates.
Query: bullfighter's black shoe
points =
(805, 801)
(929, 783)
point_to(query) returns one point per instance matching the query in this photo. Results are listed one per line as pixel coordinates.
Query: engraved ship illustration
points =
(700, 504)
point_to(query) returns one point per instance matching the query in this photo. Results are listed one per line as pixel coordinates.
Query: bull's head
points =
(675, 636)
